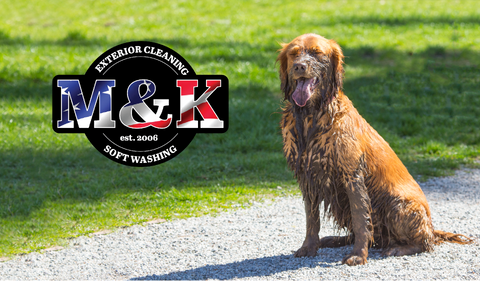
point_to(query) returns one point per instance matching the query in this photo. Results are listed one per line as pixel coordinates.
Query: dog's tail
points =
(442, 236)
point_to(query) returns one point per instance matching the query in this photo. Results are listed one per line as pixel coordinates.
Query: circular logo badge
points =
(140, 104)
(145, 71)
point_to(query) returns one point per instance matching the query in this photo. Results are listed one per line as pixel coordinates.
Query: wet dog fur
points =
(340, 160)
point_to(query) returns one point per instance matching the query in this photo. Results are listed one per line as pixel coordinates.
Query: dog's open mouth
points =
(304, 90)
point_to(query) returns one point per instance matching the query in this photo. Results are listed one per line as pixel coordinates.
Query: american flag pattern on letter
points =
(136, 103)
(188, 103)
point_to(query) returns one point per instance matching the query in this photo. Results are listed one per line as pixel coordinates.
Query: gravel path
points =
(257, 243)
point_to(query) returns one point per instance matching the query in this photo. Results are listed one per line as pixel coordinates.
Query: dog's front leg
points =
(312, 241)
(361, 210)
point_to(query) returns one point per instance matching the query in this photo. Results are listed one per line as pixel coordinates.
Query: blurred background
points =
(412, 71)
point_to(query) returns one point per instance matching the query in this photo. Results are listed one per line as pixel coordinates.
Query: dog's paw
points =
(391, 252)
(335, 241)
(306, 252)
(401, 251)
(352, 260)
(328, 242)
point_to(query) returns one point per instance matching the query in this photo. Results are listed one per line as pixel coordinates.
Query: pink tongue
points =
(303, 92)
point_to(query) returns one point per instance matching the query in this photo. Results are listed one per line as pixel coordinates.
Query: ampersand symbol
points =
(136, 101)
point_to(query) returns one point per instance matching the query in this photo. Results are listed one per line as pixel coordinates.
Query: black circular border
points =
(99, 140)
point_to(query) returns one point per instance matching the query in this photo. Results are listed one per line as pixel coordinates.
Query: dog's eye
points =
(294, 51)
(316, 51)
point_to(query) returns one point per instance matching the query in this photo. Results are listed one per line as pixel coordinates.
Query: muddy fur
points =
(340, 160)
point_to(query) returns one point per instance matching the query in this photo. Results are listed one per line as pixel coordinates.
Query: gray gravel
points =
(257, 243)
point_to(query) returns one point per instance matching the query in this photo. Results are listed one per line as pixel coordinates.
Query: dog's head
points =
(311, 69)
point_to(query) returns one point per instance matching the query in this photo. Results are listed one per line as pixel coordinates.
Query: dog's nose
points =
(299, 67)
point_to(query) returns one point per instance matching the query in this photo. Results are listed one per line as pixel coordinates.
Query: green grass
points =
(412, 70)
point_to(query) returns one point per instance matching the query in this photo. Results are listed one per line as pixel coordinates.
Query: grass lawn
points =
(412, 71)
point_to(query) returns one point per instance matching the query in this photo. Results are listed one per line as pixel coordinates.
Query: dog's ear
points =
(336, 59)
(283, 59)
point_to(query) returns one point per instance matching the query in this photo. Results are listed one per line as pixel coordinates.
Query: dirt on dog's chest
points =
(316, 145)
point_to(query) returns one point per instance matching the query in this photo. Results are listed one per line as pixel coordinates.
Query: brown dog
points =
(338, 158)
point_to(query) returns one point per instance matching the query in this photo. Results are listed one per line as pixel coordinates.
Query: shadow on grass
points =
(31, 178)
(78, 38)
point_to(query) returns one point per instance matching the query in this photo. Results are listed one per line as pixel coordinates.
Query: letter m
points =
(72, 90)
